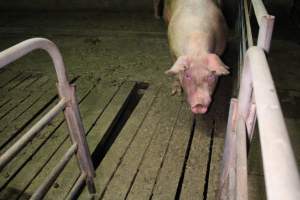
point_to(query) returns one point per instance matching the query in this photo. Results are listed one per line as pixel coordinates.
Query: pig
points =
(197, 37)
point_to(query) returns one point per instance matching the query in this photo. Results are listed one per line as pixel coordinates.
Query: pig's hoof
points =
(176, 91)
(176, 88)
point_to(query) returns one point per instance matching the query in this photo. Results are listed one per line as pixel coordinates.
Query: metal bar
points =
(43, 189)
(66, 92)
(280, 169)
(248, 25)
(259, 10)
(229, 153)
(79, 183)
(265, 32)
(251, 121)
(241, 161)
(245, 92)
(77, 133)
(17, 51)
(16, 147)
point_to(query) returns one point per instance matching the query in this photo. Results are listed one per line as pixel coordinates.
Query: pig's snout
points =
(200, 108)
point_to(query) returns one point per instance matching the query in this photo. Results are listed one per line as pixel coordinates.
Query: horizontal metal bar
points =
(280, 169)
(45, 186)
(16, 147)
(19, 50)
(259, 10)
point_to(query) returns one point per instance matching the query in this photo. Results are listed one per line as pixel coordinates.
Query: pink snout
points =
(201, 108)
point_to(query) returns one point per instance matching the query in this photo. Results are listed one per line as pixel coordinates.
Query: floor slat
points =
(121, 182)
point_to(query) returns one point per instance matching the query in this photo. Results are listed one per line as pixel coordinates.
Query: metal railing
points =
(257, 98)
(68, 104)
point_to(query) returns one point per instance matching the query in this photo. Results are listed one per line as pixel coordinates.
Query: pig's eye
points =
(188, 76)
(211, 78)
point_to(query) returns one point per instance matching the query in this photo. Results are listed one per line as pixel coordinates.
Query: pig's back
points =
(195, 16)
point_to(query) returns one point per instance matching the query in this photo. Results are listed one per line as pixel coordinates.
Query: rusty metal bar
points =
(77, 134)
(29, 135)
(19, 50)
(280, 169)
(241, 192)
(45, 186)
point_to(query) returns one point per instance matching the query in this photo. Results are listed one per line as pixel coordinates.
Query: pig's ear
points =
(214, 63)
(179, 65)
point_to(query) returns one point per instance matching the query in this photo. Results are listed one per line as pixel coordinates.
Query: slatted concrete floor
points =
(145, 143)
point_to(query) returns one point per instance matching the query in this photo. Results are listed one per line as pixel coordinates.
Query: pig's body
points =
(197, 36)
(195, 26)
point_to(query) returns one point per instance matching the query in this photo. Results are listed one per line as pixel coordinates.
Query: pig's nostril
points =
(199, 108)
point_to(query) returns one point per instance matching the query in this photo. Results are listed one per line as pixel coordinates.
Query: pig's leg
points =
(176, 88)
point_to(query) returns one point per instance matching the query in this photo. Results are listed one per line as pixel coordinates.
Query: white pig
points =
(197, 37)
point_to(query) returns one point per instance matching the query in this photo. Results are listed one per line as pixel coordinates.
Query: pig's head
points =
(198, 78)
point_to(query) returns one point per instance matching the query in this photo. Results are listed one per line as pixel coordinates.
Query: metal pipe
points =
(259, 10)
(265, 32)
(75, 189)
(67, 94)
(248, 25)
(280, 169)
(251, 120)
(45, 186)
(77, 133)
(229, 153)
(16, 147)
(17, 51)
(241, 161)
(245, 92)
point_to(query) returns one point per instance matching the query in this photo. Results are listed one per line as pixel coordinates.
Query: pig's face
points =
(198, 78)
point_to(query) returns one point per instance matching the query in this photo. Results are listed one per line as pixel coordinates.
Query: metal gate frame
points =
(67, 103)
(257, 98)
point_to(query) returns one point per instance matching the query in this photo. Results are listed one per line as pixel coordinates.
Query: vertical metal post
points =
(241, 192)
(77, 133)
(227, 177)
(265, 32)
(245, 92)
